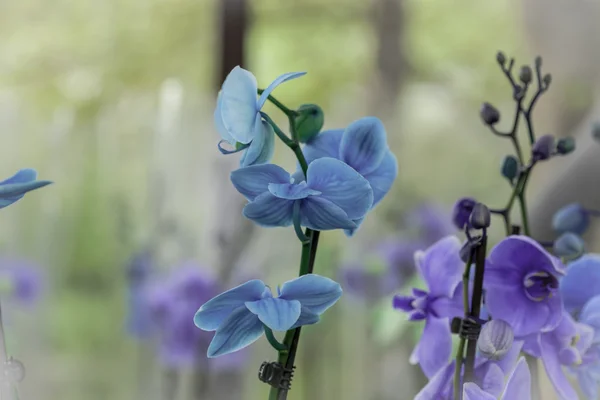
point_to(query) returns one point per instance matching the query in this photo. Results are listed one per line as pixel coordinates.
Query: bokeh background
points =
(112, 100)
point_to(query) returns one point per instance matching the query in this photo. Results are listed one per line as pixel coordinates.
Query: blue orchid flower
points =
(15, 187)
(333, 196)
(363, 146)
(238, 120)
(240, 315)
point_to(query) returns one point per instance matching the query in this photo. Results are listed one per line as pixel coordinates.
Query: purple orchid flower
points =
(521, 282)
(363, 146)
(518, 386)
(172, 303)
(440, 267)
(489, 376)
(564, 346)
(21, 281)
(139, 320)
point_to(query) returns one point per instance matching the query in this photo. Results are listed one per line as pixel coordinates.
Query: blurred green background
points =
(113, 100)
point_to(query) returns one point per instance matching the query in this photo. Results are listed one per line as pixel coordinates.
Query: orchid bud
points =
(569, 246)
(462, 211)
(571, 218)
(501, 58)
(495, 340)
(510, 168)
(308, 122)
(14, 370)
(525, 74)
(489, 114)
(480, 216)
(547, 79)
(543, 147)
(465, 251)
(538, 62)
(565, 146)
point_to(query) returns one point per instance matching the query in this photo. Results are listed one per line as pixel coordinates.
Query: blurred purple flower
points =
(139, 321)
(173, 303)
(21, 280)
(397, 254)
(432, 222)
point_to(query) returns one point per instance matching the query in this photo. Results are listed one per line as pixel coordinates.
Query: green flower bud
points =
(510, 168)
(565, 145)
(308, 122)
(525, 74)
(501, 58)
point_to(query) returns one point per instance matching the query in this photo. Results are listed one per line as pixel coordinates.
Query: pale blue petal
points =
(239, 330)
(351, 232)
(270, 211)
(473, 392)
(22, 176)
(519, 383)
(7, 201)
(291, 191)
(341, 185)
(218, 119)
(254, 180)
(320, 214)
(316, 293)
(325, 144)
(18, 189)
(238, 104)
(215, 311)
(262, 146)
(278, 81)
(306, 318)
(364, 145)
(277, 314)
(438, 385)
(383, 177)
(298, 176)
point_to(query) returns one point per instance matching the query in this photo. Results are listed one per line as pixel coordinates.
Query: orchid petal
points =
(270, 211)
(316, 293)
(382, 178)
(278, 81)
(262, 147)
(364, 145)
(320, 214)
(341, 185)
(215, 311)
(254, 180)
(239, 330)
(325, 144)
(238, 105)
(278, 314)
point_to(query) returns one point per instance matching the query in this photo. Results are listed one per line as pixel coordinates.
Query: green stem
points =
(278, 104)
(309, 251)
(280, 347)
(461, 345)
(286, 140)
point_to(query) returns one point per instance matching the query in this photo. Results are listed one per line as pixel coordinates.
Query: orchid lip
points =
(539, 285)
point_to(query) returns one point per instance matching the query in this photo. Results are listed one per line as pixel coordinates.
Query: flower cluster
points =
(537, 298)
(341, 175)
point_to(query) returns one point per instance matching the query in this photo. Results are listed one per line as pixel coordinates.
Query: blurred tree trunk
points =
(566, 35)
(388, 21)
(231, 232)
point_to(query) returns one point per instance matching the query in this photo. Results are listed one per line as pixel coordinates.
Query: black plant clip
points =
(276, 375)
(467, 328)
